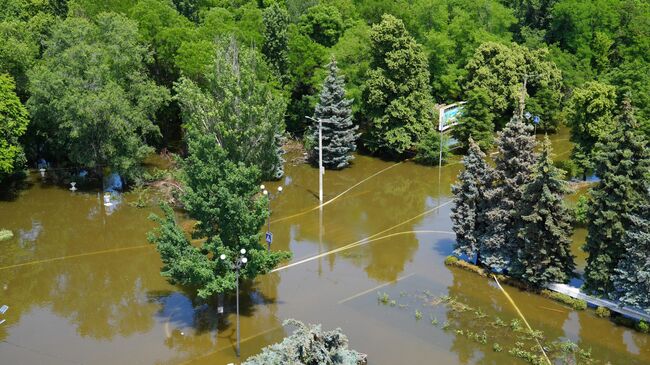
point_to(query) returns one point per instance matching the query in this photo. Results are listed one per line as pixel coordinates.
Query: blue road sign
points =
(269, 237)
(536, 120)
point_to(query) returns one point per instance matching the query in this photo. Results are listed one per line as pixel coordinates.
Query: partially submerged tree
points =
(543, 242)
(92, 102)
(222, 196)
(397, 95)
(238, 106)
(514, 166)
(335, 113)
(13, 124)
(622, 165)
(476, 121)
(632, 276)
(309, 345)
(468, 214)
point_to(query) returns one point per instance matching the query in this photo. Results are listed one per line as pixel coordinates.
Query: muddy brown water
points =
(84, 287)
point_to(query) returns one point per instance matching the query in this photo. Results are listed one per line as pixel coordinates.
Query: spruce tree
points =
(632, 277)
(622, 166)
(514, 166)
(335, 113)
(544, 236)
(470, 203)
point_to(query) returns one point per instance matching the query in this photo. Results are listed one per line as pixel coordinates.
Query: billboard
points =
(449, 115)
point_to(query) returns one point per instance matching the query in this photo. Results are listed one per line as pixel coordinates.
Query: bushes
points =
(455, 261)
(569, 167)
(429, 149)
(580, 210)
(5, 234)
(643, 327)
(576, 304)
(603, 312)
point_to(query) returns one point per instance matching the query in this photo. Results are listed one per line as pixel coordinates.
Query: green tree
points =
(502, 69)
(276, 40)
(632, 276)
(428, 148)
(471, 204)
(476, 121)
(309, 345)
(622, 166)
(91, 100)
(222, 196)
(514, 167)
(13, 124)
(590, 116)
(543, 244)
(397, 99)
(335, 114)
(323, 24)
(238, 106)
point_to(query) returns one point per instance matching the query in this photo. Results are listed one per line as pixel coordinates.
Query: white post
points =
(320, 160)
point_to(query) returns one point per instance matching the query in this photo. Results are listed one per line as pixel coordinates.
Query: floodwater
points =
(83, 285)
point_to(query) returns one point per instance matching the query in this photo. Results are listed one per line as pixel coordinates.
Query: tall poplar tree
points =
(276, 38)
(335, 113)
(514, 166)
(632, 276)
(470, 202)
(397, 96)
(543, 250)
(13, 124)
(622, 165)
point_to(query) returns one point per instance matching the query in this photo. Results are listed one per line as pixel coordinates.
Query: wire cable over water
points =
(522, 317)
(369, 239)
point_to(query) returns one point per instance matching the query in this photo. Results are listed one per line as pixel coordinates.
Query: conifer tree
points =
(544, 237)
(470, 203)
(335, 113)
(622, 166)
(632, 277)
(514, 166)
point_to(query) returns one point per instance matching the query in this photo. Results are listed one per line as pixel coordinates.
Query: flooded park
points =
(83, 284)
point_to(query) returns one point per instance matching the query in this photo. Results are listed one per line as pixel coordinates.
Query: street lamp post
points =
(321, 169)
(269, 235)
(236, 265)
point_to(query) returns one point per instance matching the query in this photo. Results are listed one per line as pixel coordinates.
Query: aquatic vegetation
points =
(383, 298)
(418, 314)
(643, 327)
(5, 234)
(496, 347)
(434, 320)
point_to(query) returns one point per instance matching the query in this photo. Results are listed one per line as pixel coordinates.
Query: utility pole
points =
(321, 169)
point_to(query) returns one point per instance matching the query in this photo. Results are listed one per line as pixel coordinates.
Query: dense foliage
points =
(13, 124)
(543, 242)
(92, 103)
(622, 165)
(222, 196)
(309, 345)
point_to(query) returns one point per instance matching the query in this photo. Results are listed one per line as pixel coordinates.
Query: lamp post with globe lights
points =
(236, 265)
(269, 235)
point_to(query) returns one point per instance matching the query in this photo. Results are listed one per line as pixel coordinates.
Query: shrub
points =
(580, 210)
(451, 260)
(576, 304)
(643, 327)
(428, 149)
(5, 234)
(603, 312)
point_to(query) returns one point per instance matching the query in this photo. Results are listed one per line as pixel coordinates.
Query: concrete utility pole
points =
(321, 169)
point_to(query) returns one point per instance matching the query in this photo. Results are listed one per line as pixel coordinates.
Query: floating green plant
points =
(418, 314)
